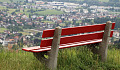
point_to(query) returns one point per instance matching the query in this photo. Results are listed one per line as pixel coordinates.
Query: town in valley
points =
(23, 21)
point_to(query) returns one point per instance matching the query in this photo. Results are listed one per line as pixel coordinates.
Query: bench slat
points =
(77, 38)
(76, 30)
(70, 45)
(30, 48)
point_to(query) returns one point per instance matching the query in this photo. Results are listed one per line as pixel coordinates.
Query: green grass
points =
(4, 0)
(63, 24)
(10, 1)
(11, 10)
(114, 12)
(104, 0)
(49, 12)
(24, 33)
(46, 12)
(79, 58)
(51, 22)
(2, 7)
(19, 61)
(79, 21)
(2, 30)
(28, 31)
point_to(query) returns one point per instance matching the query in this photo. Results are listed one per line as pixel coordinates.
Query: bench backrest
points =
(67, 32)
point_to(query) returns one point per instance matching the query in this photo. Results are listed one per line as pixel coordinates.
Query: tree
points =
(0, 18)
(81, 11)
(29, 15)
(45, 17)
(37, 42)
(15, 47)
(38, 34)
(74, 21)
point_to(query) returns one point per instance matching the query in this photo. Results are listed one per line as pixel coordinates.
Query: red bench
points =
(71, 37)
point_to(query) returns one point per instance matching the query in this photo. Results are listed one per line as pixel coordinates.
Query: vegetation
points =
(14, 28)
(11, 0)
(79, 58)
(2, 30)
(2, 7)
(49, 12)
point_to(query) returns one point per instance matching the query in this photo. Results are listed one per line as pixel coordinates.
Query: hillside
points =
(52, 0)
(68, 59)
(11, 0)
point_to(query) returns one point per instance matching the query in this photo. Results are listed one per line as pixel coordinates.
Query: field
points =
(24, 33)
(2, 30)
(11, 10)
(68, 59)
(104, 0)
(45, 12)
(69, 0)
(28, 31)
(96, 0)
(10, 1)
(49, 12)
(114, 12)
(2, 7)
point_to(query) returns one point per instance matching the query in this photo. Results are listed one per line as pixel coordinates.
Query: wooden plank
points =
(76, 30)
(113, 26)
(30, 48)
(62, 46)
(77, 38)
(80, 43)
(40, 50)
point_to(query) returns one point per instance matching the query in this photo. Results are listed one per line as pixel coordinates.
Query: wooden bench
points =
(71, 37)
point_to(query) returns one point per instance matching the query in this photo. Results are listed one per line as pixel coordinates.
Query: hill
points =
(68, 59)
(53, 0)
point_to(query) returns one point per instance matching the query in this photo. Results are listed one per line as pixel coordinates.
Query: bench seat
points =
(68, 45)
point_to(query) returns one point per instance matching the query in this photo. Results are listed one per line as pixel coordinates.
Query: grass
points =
(79, 21)
(114, 12)
(19, 61)
(2, 30)
(24, 33)
(49, 12)
(63, 24)
(5, 1)
(104, 0)
(10, 1)
(28, 31)
(51, 22)
(11, 10)
(45, 12)
(79, 58)
(2, 7)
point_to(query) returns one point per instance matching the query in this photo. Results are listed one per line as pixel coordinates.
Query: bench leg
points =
(105, 40)
(41, 56)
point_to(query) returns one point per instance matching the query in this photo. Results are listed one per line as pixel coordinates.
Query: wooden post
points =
(104, 44)
(52, 63)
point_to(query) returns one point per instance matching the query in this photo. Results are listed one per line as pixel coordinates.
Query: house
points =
(116, 34)
(5, 43)
(1, 40)
(40, 2)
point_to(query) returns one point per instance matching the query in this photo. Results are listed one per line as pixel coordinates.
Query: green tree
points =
(15, 47)
(38, 34)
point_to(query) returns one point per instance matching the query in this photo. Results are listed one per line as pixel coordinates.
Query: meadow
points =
(25, 0)
(2, 30)
(79, 58)
(10, 0)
